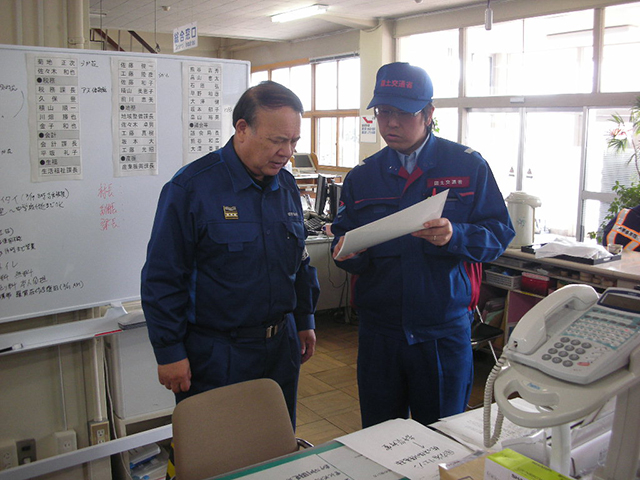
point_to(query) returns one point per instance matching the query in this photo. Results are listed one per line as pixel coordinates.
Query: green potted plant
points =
(625, 135)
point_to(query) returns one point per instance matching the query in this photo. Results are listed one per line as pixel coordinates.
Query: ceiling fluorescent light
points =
(300, 13)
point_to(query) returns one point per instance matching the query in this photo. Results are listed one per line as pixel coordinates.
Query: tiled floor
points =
(328, 393)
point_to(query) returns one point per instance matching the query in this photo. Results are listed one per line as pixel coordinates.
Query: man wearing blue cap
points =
(415, 295)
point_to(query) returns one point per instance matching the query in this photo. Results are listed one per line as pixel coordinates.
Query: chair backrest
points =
(231, 427)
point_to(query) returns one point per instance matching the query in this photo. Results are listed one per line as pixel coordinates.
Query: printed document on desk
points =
(468, 427)
(406, 447)
(401, 223)
(333, 460)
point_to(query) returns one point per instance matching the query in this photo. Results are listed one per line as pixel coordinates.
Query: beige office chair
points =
(231, 427)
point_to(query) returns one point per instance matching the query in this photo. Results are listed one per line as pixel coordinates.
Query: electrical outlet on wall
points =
(99, 432)
(57, 443)
(8, 455)
(65, 441)
(26, 451)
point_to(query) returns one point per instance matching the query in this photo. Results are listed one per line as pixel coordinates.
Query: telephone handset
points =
(577, 336)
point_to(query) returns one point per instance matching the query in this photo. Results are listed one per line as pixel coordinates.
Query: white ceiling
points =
(250, 19)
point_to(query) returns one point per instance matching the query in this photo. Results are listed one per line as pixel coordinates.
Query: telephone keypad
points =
(597, 326)
(582, 339)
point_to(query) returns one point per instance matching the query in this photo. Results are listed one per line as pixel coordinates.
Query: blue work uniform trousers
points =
(427, 380)
(219, 359)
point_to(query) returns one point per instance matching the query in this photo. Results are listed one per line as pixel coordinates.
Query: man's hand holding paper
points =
(410, 220)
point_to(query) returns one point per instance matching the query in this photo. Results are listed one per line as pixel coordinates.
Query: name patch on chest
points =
(449, 182)
(230, 213)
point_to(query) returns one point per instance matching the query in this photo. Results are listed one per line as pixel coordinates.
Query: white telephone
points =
(567, 356)
(577, 336)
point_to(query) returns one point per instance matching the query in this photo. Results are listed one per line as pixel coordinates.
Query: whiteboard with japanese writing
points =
(87, 141)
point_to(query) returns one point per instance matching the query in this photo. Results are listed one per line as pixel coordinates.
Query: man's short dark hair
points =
(267, 94)
(425, 112)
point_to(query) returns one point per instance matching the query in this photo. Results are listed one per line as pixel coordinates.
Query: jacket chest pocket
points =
(233, 247)
(458, 206)
(370, 210)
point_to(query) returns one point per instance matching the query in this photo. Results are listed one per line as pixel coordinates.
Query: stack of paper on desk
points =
(467, 427)
(406, 447)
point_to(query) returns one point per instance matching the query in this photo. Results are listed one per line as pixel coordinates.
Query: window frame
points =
(595, 99)
(314, 114)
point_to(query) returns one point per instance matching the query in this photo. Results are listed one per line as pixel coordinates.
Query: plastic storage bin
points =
(534, 283)
(512, 282)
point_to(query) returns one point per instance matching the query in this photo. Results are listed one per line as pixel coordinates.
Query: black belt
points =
(262, 331)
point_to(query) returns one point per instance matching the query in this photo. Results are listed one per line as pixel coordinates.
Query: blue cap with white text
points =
(403, 86)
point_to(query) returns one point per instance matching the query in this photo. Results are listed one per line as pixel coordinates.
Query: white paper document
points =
(401, 223)
(334, 461)
(406, 447)
(468, 427)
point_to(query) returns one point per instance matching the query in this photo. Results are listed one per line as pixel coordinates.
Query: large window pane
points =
(621, 49)
(301, 84)
(349, 141)
(281, 75)
(326, 140)
(447, 122)
(437, 53)
(552, 166)
(496, 135)
(326, 86)
(535, 56)
(593, 212)
(304, 144)
(494, 60)
(257, 77)
(298, 79)
(604, 166)
(558, 54)
(349, 83)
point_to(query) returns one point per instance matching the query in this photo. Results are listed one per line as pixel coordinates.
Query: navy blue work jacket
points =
(225, 253)
(409, 286)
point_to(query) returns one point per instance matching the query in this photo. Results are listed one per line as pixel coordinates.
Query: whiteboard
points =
(75, 236)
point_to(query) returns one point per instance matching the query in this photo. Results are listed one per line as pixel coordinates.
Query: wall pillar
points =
(377, 47)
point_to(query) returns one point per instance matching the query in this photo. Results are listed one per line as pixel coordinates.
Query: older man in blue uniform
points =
(227, 288)
(415, 295)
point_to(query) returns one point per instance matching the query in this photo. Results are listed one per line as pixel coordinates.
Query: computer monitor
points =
(335, 189)
(304, 162)
(322, 194)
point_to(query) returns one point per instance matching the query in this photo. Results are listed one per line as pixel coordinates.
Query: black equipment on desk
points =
(314, 222)
(322, 194)
(329, 192)
(325, 207)
(335, 190)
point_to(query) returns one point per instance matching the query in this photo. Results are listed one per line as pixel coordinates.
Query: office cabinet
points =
(623, 273)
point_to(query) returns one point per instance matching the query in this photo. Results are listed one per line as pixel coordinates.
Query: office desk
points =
(626, 271)
(623, 273)
(393, 450)
(330, 460)
(334, 289)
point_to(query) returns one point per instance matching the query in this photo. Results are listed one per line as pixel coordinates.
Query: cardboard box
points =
(470, 467)
(510, 465)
